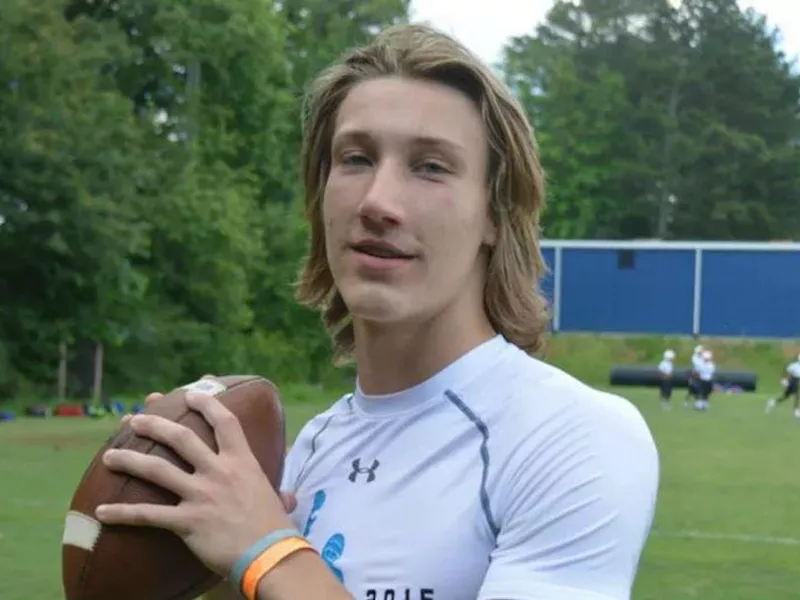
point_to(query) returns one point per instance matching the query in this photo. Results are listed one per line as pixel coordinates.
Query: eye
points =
(355, 159)
(432, 167)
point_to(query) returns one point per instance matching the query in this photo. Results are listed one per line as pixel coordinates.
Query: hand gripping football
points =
(104, 562)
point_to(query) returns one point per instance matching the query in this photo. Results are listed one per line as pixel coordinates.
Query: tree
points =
(72, 163)
(657, 121)
(149, 187)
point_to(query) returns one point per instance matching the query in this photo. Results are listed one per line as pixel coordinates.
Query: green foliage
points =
(149, 189)
(71, 156)
(150, 196)
(662, 119)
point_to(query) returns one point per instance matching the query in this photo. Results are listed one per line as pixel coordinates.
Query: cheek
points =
(329, 228)
(456, 229)
(335, 208)
(327, 221)
(456, 242)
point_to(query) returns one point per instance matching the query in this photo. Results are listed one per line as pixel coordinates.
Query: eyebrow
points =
(364, 137)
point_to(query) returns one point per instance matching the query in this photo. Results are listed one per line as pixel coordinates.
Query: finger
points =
(228, 430)
(152, 397)
(153, 515)
(185, 442)
(150, 468)
(289, 501)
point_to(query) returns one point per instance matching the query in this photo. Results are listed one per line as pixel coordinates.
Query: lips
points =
(381, 250)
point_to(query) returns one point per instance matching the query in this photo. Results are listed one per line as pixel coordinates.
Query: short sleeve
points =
(575, 506)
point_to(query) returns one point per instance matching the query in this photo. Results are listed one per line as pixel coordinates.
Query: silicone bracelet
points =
(267, 561)
(253, 552)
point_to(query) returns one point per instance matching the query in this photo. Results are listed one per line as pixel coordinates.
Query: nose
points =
(382, 202)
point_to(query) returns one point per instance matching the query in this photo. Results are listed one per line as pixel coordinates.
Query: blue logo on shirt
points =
(334, 547)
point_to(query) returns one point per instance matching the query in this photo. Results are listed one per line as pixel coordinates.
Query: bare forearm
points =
(302, 575)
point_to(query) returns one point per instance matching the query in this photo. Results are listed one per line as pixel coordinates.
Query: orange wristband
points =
(267, 561)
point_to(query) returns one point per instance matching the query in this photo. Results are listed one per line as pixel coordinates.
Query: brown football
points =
(102, 562)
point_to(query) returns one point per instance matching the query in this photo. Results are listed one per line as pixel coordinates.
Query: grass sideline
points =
(726, 528)
(589, 357)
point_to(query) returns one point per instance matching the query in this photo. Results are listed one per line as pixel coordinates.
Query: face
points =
(406, 202)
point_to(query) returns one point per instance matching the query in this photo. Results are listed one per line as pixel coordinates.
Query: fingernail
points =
(108, 455)
(100, 511)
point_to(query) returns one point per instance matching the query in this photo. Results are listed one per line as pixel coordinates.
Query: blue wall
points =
(752, 293)
(651, 294)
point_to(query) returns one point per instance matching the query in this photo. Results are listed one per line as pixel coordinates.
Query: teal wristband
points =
(256, 550)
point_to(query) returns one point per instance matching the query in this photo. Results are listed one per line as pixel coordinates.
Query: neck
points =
(393, 358)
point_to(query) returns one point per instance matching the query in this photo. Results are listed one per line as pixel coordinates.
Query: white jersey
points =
(706, 370)
(794, 369)
(665, 367)
(697, 362)
(499, 477)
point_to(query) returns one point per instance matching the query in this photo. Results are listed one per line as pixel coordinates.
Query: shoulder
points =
(532, 400)
(573, 427)
(539, 419)
(556, 404)
(575, 480)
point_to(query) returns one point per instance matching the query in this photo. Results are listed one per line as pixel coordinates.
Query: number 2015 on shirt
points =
(406, 594)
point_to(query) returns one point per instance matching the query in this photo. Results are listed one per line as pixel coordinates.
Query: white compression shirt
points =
(500, 478)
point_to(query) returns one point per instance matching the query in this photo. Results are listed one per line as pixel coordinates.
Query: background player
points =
(693, 387)
(666, 368)
(792, 388)
(706, 369)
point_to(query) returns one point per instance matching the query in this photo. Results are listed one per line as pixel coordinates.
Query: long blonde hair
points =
(512, 298)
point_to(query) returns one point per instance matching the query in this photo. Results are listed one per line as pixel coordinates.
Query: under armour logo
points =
(359, 470)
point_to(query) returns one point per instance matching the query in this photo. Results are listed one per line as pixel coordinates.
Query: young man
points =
(666, 368)
(460, 467)
(791, 388)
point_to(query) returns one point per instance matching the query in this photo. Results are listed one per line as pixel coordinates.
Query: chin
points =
(374, 303)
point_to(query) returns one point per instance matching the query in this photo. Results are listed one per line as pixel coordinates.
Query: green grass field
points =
(727, 526)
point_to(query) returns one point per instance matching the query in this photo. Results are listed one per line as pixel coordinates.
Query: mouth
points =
(381, 250)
